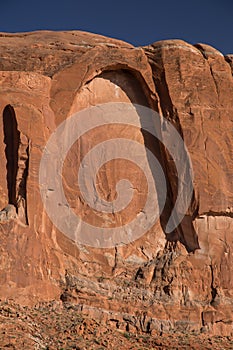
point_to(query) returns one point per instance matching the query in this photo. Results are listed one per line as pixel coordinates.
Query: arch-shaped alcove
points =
(110, 86)
(122, 85)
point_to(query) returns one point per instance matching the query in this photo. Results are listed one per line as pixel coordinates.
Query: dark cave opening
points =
(11, 140)
(17, 163)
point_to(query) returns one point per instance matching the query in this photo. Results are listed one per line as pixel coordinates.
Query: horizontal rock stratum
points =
(162, 281)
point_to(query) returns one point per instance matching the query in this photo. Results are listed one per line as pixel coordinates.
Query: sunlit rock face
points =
(156, 280)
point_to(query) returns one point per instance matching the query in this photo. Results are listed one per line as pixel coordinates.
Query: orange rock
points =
(160, 281)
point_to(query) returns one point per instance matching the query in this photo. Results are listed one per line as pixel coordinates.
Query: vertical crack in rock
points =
(205, 150)
(202, 50)
(115, 260)
(11, 140)
(17, 157)
(202, 319)
(214, 291)
(21, 178)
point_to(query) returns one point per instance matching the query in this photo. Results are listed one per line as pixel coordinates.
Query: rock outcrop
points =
(182, 280)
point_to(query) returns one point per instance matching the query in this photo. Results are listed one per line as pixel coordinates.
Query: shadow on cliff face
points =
(184, 232)
(17, 163)
(11, 140)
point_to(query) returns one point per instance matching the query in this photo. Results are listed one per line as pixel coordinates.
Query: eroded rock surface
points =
(162, 282)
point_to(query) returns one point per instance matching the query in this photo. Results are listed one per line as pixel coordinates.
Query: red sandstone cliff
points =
(182, 280)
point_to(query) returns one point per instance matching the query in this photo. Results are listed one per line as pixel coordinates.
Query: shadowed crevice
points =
(11, 140)
(17, 158)
(185, 232)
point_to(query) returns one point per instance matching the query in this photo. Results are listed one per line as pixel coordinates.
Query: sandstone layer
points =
(159, 282)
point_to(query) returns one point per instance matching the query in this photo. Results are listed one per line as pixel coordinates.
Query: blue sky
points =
(138, 22)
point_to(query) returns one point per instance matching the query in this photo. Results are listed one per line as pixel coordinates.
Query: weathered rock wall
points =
(181, 280)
